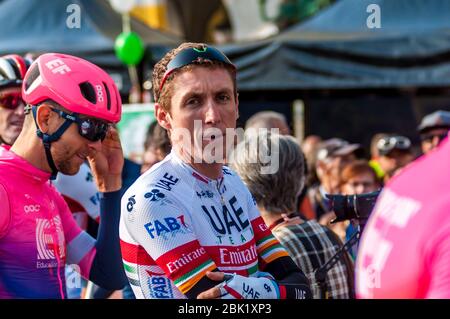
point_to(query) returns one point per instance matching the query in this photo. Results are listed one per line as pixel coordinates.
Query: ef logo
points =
(73, 21)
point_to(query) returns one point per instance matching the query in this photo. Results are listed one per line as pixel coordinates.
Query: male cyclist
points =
(70, 105)
(12, 71)
(189, 226)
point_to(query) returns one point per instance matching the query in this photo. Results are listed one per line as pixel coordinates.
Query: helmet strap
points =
(47, 140)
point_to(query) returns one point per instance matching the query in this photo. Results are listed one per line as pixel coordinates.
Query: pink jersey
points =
(38, 234)
(405, 248)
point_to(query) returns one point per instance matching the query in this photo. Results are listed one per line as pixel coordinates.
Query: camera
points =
(352, 206)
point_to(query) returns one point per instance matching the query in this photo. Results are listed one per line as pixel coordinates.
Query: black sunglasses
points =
(191, 56)
(91, 129)
(11, 101)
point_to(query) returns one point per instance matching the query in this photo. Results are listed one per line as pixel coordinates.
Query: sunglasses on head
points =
(91, 129)
(387, 144)
(11, 101)
(193, 55)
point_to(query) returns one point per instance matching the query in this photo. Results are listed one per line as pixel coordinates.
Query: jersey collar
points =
(200, 177)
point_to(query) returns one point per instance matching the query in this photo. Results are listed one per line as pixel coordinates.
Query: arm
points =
(106, 270)
(282, 279)
(285, 279)
(107, 165)
(103, 264)
(98, 260)
(166, 234)
(289, 280)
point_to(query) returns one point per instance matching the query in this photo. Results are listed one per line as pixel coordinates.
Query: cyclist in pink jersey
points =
(405, 248)
(70, 103)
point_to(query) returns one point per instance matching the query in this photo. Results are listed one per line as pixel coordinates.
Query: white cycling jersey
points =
(81, 195)
(177, 224)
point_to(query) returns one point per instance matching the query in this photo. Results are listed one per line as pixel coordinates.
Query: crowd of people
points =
(203, 217)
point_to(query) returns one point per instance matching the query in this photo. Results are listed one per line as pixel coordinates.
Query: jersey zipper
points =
(218, 191)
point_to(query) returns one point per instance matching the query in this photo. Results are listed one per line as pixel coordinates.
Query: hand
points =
(214, 292)
(258, 286)
(107, 163)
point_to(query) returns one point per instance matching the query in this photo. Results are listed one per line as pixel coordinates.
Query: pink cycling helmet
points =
(76, 84)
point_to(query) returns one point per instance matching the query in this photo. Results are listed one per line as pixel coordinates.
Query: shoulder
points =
(163, 178)
(233, 178)
(153, 193)
(307, 230)
(430, 170)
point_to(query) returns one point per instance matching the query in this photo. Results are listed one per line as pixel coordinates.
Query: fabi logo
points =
(169, 225)
(159, 285)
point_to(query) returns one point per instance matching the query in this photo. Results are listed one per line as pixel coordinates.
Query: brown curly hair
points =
(163, 98)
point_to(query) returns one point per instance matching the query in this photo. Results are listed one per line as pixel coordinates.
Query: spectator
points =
(268, 120)
(310, 147)
(395, 153)
(358, 178)
(332, 155)
(309, 244)
(272, 120)
(433, 129)
(375, 155)
(156, 147)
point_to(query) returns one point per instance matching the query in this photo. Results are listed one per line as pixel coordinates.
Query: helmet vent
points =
(16, 67)
(88, 92)
(33, 74)
(108, 97)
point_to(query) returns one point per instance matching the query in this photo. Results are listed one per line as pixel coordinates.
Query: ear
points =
(43, 116)
(162, 116)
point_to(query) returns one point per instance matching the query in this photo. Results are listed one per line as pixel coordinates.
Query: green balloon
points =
(129, 48)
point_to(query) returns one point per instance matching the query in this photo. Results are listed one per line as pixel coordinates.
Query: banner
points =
(136, 118)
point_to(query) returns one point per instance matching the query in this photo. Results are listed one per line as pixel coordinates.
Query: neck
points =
(213, 170)
(326, 185)
(30, 147)
(272, 219)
